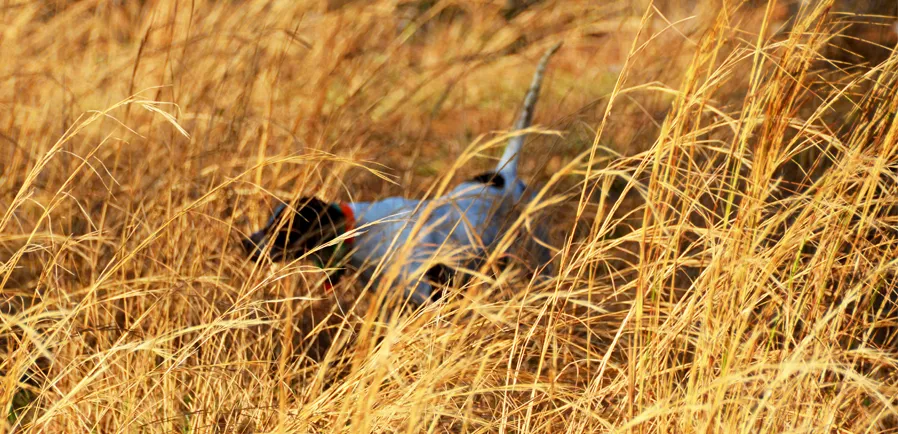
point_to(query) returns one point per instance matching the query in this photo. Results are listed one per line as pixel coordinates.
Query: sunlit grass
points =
(722, 191)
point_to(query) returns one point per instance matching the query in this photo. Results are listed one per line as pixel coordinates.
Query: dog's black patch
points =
(439, 276)
(490, 178)
(291, 234)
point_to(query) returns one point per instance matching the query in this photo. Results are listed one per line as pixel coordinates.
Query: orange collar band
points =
(350, 220)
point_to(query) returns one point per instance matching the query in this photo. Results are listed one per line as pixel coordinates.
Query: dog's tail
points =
(508, 165)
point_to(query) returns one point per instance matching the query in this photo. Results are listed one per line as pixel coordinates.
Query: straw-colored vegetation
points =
(722, 187)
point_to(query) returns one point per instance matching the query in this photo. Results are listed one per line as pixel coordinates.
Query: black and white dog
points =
(417, 245)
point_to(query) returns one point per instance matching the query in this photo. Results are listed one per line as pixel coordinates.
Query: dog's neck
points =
(343, 246)
(348, 219)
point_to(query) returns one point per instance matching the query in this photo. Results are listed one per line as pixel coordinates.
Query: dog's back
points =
(458, 228)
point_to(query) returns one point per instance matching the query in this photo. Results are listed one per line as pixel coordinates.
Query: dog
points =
(419, 244)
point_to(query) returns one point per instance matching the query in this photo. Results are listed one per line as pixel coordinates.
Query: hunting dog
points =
(418, 245)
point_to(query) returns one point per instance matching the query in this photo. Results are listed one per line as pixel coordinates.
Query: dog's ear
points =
(295, 229)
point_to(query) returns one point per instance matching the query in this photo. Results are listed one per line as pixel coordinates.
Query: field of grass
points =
(721, 180)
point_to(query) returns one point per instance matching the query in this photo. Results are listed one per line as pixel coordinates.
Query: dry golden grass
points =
(723, 190)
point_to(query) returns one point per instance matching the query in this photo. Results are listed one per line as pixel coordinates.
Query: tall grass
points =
(723, 194)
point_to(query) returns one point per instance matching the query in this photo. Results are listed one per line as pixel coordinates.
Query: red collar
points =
(349, 224)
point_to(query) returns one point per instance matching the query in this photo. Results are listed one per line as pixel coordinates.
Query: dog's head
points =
(295, 229)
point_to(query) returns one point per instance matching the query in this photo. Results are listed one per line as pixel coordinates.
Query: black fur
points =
(292, 234)
(439, 276)
(490, 178)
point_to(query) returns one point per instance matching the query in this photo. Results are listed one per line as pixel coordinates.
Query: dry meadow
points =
(720, 179)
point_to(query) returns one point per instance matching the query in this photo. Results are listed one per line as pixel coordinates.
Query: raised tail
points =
(508, 164)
